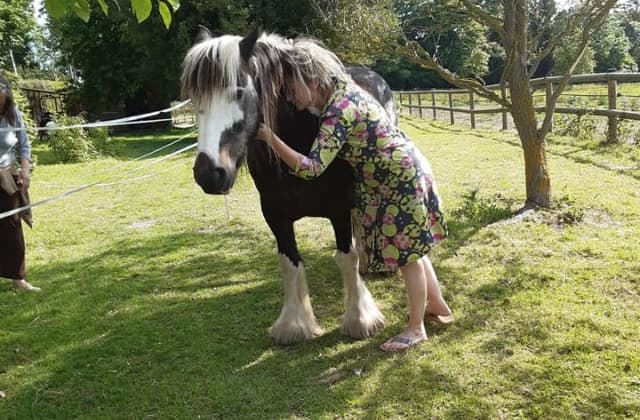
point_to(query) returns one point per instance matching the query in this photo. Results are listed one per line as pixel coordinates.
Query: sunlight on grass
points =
(157, 298)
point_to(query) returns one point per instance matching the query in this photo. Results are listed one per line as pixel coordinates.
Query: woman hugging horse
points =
(398, 216)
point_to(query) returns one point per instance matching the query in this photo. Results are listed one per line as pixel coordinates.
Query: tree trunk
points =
(538, 181)
(536, 172)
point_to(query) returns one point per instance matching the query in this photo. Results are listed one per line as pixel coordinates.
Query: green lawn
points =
(157, 298)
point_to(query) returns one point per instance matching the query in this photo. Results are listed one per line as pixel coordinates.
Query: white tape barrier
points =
(103, 184)
(108, 123)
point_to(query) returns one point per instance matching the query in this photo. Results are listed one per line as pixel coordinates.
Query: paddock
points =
(149, 287)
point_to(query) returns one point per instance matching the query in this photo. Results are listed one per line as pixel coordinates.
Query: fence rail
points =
(422, 102)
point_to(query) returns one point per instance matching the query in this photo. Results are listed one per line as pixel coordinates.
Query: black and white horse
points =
(231, 80)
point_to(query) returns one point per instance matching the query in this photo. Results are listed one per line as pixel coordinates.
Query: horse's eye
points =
(239, 94)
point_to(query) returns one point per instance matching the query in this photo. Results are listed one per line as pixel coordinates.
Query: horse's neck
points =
(297, 128)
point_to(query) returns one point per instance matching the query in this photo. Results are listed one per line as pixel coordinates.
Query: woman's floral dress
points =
(397, 216)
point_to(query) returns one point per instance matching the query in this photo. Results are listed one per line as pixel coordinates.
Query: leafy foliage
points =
(564, 53)
(17, 31)
(131, 66)
(141, 9)
(611, 47)
(72, 145)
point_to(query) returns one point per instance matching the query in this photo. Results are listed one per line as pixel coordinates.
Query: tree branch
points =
(596, 17)
(414, 52)
(484, 17)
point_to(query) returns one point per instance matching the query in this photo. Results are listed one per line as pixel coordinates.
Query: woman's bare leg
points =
(416, 283)
(435, 303)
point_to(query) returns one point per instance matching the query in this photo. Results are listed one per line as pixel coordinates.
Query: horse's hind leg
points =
(362, 318)
(296, 321)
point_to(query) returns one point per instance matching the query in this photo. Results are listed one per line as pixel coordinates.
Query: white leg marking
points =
(362, 318)
(296, 321)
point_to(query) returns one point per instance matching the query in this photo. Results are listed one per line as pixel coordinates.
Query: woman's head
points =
(7, 105)
(310, 70)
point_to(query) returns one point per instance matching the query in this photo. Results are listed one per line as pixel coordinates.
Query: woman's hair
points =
(310, 61)
(8, 111)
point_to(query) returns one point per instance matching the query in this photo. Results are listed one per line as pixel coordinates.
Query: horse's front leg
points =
(296, 321)
(362, 318)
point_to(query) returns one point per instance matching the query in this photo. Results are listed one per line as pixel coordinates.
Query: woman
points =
(14, 184)
(397, 216)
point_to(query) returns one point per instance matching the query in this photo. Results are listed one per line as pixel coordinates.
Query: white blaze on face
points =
(214, 119)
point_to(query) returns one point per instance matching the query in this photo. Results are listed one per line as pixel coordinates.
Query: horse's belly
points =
(329, 195)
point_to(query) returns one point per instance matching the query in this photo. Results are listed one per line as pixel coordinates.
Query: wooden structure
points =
(413, 100)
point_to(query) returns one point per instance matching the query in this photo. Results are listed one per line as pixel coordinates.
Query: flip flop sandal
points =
(406, 342)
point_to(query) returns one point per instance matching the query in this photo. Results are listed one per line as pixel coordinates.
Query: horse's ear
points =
(204, 34)
(248, 42)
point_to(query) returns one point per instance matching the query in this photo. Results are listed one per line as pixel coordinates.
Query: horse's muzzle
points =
(211, 178)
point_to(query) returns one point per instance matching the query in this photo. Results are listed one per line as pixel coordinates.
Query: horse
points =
(230, 79)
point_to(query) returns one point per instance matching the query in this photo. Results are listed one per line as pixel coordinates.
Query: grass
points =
(157, 298)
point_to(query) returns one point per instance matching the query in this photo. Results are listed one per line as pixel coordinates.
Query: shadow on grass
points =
(630, 171)
(128, 331)
(177, 327)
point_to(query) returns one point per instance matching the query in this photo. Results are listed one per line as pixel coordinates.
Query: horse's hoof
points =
(359, 329)
(287, 334)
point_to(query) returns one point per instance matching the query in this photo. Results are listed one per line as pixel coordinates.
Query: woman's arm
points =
(289, 156)
(23, 149)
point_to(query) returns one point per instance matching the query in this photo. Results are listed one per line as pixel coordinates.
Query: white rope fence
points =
(136, 119)
(108, 123)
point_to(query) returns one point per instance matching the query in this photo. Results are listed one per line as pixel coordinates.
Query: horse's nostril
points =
(220, 173)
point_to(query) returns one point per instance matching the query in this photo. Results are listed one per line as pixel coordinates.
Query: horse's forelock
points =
(266, 66)
(210, 67)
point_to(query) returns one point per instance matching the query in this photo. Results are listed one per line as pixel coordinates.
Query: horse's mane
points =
(215, 66)
(211, 66)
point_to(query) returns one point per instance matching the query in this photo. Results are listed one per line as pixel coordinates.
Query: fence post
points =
(613, 119)
(471, 109)
(451, 118)
(505, 121)
(548, 93)
(420, 104)
(410, 104)
(433, 103)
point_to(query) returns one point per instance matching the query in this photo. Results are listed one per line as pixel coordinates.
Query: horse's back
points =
(377, 87)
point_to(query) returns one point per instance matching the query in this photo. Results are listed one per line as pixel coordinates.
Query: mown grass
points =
(157, 297)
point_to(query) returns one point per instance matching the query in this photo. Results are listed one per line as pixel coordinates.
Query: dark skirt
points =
(11, 239)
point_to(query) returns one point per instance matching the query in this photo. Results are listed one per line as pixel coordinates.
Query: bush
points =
(71, 145)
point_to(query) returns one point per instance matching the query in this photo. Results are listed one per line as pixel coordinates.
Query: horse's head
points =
(217, 79)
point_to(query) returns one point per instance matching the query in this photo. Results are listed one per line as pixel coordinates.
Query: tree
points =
(17, 31)
(611, 47)
(135, 66)
(510, 20)
(357, 30)
(632, 30)
(564, 53)
(140, 8)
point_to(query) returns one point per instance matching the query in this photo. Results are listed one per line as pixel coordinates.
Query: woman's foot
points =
(403, 341)
(439, 319)
(25, 285)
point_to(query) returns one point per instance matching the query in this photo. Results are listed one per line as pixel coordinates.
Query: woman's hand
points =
(24, 175)
(24, 180)
(264, 133)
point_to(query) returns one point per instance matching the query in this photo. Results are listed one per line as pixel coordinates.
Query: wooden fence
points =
(424, 102)
(43, 101)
